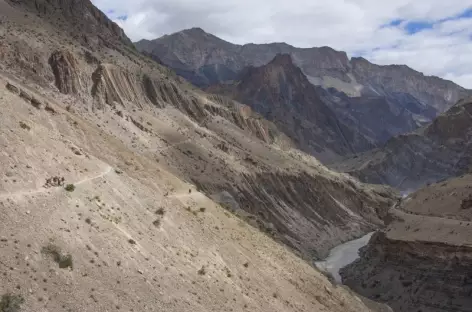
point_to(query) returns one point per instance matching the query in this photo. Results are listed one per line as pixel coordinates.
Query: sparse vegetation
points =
(202, 271)
(70, 187)
(24, 126)
(11, 303)
(64, 260)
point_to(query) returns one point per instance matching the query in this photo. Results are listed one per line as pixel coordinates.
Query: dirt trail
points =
(45, 190)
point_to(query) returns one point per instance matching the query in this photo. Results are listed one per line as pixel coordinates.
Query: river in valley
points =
(342, 255)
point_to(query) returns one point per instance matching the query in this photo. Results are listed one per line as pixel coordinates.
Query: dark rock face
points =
(413, 276)
(378, 118)
(281, 93)
(438, 151)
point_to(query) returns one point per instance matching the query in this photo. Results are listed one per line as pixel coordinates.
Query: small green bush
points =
(70, 187)
(11, 303)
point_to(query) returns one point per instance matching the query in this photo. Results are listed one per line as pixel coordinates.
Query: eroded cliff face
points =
(66, 72)
(413, 276)
(422, 261)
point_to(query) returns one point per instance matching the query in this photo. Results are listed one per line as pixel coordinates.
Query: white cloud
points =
(355, 26)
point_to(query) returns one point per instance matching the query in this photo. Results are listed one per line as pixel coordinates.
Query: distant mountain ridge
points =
(375, 102)
(205, 59)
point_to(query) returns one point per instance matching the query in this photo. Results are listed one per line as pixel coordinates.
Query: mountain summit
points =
(282, 93)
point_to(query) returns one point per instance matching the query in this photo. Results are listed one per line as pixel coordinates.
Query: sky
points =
(431, 36)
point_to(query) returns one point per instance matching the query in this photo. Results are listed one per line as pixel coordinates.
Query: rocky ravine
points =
(432, 153)
(125, 188)
(422, 260)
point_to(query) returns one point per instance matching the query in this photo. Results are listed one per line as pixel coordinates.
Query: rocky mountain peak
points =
(282, 59)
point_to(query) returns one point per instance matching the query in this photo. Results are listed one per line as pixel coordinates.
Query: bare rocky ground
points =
(139, 237)
(111, 174)
(422, 260)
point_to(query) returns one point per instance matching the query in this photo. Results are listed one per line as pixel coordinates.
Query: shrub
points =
(70, 187)
(64, 261)
(202, 271)
(160, 211)
(11, 303)
(24, 126)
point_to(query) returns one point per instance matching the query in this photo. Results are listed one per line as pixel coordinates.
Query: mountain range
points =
(188, 173)
(374, 102)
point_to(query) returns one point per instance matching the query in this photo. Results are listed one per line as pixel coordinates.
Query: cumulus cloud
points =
(432, 36)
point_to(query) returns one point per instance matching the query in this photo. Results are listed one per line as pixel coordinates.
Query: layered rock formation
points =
(432, 153)
(422, 260)
(280, 92)
(66, 72)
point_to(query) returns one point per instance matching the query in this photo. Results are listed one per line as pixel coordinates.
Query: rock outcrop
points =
(438, 151)
(82, 18)
(422, 260)
(66, 72)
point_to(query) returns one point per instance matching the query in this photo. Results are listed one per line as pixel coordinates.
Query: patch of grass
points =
(11, 303)
(70, 187)
(64, 260)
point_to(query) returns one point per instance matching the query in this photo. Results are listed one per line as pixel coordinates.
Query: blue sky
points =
(432, 36)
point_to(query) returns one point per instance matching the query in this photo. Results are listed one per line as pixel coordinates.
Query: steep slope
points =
(438, 151)
(280, 92)
(124, 188)
(422, 260)
(378, 118)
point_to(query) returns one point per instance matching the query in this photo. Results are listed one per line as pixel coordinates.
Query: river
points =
(342, 255)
